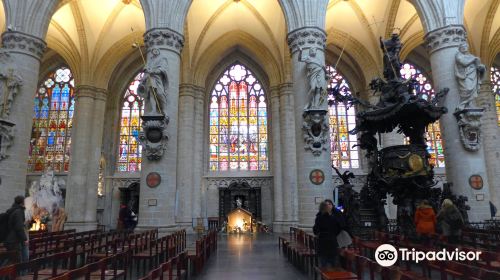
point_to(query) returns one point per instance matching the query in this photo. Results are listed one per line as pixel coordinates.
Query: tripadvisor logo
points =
(387, 255)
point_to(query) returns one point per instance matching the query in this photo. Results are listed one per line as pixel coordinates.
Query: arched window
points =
(238, 122)
(130, 150)
(342, 120)
(495, 81)
(433, 133)
(52, 121)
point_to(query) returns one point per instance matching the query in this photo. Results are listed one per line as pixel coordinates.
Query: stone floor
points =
(245, 256)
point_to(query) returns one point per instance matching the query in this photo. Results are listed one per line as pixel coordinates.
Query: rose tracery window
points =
(433, 134)
(238, 137)
(52, 121)
(342, 120)
(130, 150)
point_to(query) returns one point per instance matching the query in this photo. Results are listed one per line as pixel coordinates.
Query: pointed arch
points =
(238, 122)
(53, 109)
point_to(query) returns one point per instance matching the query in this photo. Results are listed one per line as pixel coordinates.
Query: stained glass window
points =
(130, 150)
(495, 81)
(52, 121)
(433, 134)
(238, 122)
(342, 120)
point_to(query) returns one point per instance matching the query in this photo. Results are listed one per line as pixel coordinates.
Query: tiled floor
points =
(252, 257)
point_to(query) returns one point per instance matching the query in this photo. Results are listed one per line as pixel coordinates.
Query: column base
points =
(81, 226)
(283, 226)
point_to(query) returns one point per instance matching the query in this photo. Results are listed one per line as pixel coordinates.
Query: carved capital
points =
(445, 37)
(19, 42)
(164, 39)
(305, 38)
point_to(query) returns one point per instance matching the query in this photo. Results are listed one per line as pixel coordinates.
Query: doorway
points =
(239, 195)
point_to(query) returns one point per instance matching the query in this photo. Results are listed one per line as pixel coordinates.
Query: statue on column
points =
(318, 80)
(153, 85)
(469, 72)
(10, 84)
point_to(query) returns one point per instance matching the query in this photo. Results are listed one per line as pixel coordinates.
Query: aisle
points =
(242, 257)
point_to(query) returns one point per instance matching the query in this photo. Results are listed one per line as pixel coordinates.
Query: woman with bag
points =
(328, 224)
(450, 221)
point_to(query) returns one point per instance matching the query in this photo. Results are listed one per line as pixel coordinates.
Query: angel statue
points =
(153, 85)
(318, 80)
(391, 49)
(469, 73)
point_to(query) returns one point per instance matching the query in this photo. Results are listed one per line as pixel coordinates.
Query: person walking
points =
(451, 221)
(16, 237)
(425, 221)
(327, 226)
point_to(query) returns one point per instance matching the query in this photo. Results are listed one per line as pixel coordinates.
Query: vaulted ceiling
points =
(86, 32)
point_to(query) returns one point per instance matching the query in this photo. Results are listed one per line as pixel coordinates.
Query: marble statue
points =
(469, 73)
(44, 198)
(153, 85)
(10, 84)
(391, 49)
(318, 81)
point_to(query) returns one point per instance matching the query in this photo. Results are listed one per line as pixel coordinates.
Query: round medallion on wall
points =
(476, 182)
(317, 177)
(153, 179)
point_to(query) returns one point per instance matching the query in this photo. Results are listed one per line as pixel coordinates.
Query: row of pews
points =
(95, 254)
(187, 262)
(357, 261)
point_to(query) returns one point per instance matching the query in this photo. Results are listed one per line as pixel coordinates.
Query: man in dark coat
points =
(16, 235)
(328, 224)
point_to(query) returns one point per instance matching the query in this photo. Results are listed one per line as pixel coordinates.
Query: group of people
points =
(330, 223)
(448, 221)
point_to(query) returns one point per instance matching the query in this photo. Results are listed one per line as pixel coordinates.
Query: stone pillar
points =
(185, 156)
(86, 141)
(442, 44)
(301, 42)
(288, 159)
(21, 54)
(276, 159)
(198, 197)
(491, 140)
(157, 206)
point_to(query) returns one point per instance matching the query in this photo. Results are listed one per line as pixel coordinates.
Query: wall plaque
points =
(476, 182)
(153, 179)
(317, 177)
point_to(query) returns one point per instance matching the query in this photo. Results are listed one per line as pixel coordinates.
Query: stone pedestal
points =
(23, 53)
(308, 161)
(461, 163)
(81, 190)
(157, 205)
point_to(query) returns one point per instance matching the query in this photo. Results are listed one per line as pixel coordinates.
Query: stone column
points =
(157, 206)
(198, 197)
(301, 42)
(21, 55)
(185, 156)
(276, 159)
(442, 44)
(288, 158)
(491, 140)
(86, 141)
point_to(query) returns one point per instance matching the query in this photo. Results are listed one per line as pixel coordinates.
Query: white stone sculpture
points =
(44, 196)
(318, 80)
(469, 73)
(154, 84)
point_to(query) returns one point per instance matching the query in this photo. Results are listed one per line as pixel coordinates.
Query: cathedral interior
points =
(185, 111)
